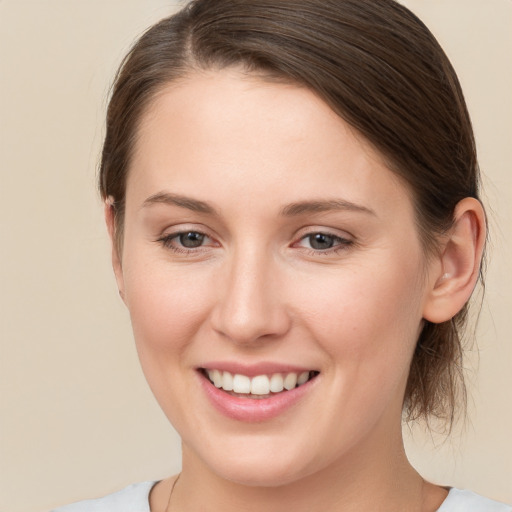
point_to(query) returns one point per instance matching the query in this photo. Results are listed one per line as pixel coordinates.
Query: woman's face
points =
(265, 239)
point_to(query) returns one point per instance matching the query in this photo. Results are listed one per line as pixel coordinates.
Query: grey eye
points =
(321, 241)
(191, 240)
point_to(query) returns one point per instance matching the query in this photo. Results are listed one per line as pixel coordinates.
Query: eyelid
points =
(343, 241)
(173, 232)
(313, 230)
(178, 229)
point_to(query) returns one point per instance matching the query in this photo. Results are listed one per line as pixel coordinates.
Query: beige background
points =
(77, 419)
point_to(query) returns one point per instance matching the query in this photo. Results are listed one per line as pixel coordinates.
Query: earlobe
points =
(459, 263)
(116, 258)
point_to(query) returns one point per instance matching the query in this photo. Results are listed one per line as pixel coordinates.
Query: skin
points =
(257, 291)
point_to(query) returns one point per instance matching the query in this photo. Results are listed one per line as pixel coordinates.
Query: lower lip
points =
(253, 410)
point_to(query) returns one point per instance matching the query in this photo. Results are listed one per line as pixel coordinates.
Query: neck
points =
(377, 476)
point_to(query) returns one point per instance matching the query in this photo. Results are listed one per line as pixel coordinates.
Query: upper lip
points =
(252, 370)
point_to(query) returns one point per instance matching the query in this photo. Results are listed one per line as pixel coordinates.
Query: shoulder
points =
(467, 501)
(134, 498)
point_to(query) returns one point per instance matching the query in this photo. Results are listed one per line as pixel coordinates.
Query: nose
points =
(250, 306)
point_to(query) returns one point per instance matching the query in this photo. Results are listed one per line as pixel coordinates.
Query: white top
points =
(135, 498)
(467, 501)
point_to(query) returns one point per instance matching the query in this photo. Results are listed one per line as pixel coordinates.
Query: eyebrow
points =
(291, 210)
(304, 207)
(181, 201)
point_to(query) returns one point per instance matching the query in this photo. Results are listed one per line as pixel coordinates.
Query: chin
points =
(265, 474)
(261, 466)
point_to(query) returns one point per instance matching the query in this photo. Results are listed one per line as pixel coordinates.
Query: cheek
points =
(368, 323)
(166, 305)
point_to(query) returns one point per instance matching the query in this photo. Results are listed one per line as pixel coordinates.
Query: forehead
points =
(226, 130)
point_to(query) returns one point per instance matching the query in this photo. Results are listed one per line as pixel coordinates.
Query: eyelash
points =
(342, 244)
(167, 242)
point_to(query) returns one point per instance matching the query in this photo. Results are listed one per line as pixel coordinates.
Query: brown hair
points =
(377, 66)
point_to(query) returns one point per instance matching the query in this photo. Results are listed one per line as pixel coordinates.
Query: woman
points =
(292, 193)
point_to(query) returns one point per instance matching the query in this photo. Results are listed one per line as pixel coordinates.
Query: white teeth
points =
(241, 384)
(276, 383)
(211, 374)
(215, 377)
(290, 381)
(303, 378)
(259, 385)
(227, 381)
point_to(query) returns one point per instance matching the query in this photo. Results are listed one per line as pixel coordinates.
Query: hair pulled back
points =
(377, 66)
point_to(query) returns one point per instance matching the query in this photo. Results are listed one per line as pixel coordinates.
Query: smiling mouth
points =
(260, 386)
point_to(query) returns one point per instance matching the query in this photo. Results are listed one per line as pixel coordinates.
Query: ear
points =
(116, 257)
(454, 274)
